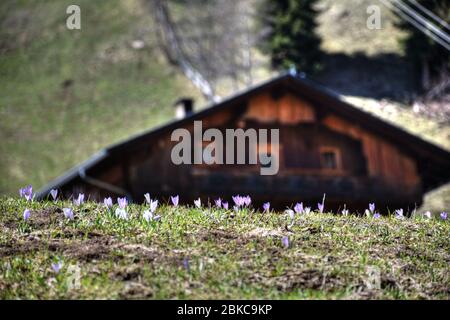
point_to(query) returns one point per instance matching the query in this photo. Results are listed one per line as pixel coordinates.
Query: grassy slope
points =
(203, 253)
(117, 91)
(343, 28)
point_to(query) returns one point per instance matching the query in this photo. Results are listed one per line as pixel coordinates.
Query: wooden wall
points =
(286, 109)
(384, 160)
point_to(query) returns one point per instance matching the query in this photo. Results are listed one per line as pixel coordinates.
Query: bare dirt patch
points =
(300, 279)
(223, 236)
(264, 232)
(45, 217)
(217, 235)
(95, 247)
(136, 290)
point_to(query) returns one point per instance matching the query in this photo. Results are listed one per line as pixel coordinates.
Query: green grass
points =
(343, 28)
(228, 255)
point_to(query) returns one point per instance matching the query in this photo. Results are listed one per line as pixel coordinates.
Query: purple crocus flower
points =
(121, 213)
(26, 214)
(218, 202)
(376, 215)
(198, 203)
(26, 192)
(247, 201)
(225, 205)
(266, 207)
(123, 202)
(79, 200)
(298, 208)
(54, 194)
(57, 266)
(175, 200)
(147, 197)
(238, 201)
(186, 264)
(320, 206)
(444, 215)
(149, 216)
(153, 205)
(285, 241)
(290, 213)
(372, 207)
(68, 213)
(108, 202)
(399, 214)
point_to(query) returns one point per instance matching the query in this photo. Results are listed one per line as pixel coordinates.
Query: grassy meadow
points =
(210, 253)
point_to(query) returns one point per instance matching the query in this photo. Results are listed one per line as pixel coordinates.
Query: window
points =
(330, 158)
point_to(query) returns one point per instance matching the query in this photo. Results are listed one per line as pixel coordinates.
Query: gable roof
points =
(437, 159)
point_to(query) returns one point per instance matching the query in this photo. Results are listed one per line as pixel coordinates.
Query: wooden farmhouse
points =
(325, 146)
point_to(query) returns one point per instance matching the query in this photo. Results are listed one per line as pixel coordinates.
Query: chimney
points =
(183, 107)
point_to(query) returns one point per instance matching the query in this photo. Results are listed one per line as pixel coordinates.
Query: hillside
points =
(66, 94)
(213, 253)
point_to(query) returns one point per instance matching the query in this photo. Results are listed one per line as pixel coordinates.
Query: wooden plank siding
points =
(286, 110)
(383, 159)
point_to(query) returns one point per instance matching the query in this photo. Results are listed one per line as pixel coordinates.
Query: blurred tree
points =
(290, 34)
(430, 59)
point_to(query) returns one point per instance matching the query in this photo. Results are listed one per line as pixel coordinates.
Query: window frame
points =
(338, 158)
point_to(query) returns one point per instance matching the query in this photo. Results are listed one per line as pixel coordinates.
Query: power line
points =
(424, 21)
(431, 14)
(416, 24)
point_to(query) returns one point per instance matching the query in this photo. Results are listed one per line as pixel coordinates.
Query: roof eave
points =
(72, 174)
